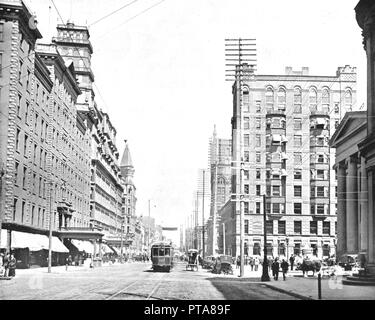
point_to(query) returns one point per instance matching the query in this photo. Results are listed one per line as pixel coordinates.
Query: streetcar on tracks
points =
(162, 256)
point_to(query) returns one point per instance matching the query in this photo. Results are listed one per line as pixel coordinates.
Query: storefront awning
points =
(82, 245)
(34, 242)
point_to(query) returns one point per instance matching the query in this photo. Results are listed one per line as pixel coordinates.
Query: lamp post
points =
(265, 275)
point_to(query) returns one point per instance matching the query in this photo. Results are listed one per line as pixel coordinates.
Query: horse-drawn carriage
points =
(192, 260)
(223, 265)
(308, 264)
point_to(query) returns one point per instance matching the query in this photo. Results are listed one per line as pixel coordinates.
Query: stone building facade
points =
(220, 156)
(281, 126)
(355, 165)
(73, 43)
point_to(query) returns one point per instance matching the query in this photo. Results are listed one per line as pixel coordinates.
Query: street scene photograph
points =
(162, 150)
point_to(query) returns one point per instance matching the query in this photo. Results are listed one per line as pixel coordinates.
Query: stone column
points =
(371, 247)
(364, 207)
(352, 206)
(341, 209)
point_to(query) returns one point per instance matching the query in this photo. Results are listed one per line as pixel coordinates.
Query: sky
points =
(160, 70)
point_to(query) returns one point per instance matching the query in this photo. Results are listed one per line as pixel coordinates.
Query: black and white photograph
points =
(187, 151)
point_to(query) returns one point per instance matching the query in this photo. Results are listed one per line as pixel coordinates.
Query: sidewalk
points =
(307, 287)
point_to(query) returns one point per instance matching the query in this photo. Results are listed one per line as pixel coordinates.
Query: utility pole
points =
(149, 224)
(265, 275)
(214, 236)
(203, 250)
(238, 53)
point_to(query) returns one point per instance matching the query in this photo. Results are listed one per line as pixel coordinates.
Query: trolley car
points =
(162, 256)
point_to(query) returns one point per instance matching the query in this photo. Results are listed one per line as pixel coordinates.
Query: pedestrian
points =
(238, 262)
(12, 266)
(6, 264)
(269, 261)
(284, 267)
(256, 263)
(2, 270)
(291, 260)
(275, 269)
(252, 263)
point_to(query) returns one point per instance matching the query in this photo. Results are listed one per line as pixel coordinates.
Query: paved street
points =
(132, 281)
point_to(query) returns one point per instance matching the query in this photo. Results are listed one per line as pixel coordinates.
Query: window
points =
(258, 140)
(23, 211)
(258, 190)
(298, 191)
(297, 174)
(256, 249)
(246, 207)
(326, 228)
(281, 98)
(297, 140)
(312, 192)
(24, 177)
(1, 37)
(297, 158)
(246, 187)
(246, 174)
(246, 140)
(321, 158)
(269, 226)
(348, 98)
(257, 123)
(258, 157)
(246, 123)
(269, 96)
(298, 227)
(257, 106)
(257, 174)
(297, 124)
(297, 96)
(320, 192)
(276, 190)
(297, 208)
(325, 97)
(257, 207)
(246, 100)
(16, 173)
(313, 97)
(297, 249)
(246, 226)
(313, 227)
(268, 207)
(297, 108)
(25, 145)
(320, 174)
(281, 227)
(312, 209)
(276, 208)
(320, 209)
(18, 132)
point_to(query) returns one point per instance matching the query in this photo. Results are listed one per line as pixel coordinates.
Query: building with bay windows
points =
(281, 127)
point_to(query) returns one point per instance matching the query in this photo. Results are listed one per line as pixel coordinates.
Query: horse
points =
(310, 265)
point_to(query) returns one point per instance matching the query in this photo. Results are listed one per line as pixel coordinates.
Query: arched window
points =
(269, 96)
(325, 96)
(348, 99)
(281, 98)
(297, 96)
(313, 100)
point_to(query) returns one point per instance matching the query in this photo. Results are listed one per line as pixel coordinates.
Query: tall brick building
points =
(281, 126)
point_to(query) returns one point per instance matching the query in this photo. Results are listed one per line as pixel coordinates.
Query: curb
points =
(291, 293)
